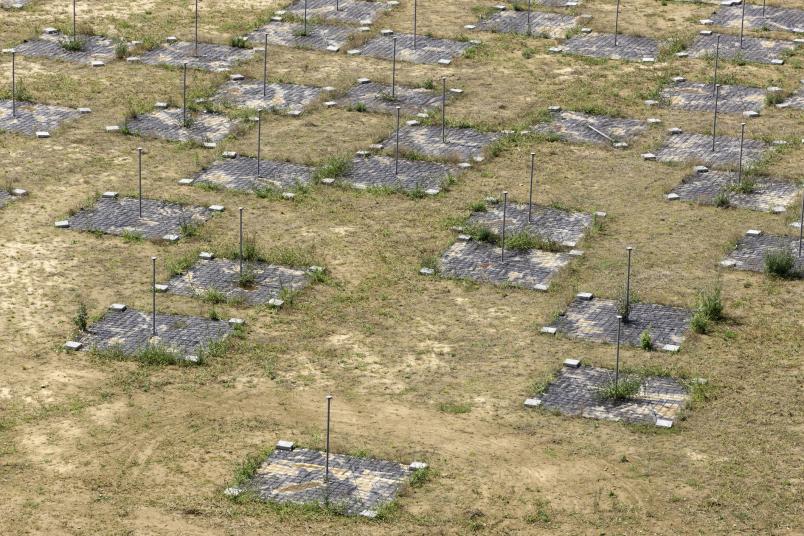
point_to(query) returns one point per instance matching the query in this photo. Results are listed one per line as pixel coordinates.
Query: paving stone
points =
(751, 249)
(167, 124)
(428, 49)
(754, 50)
(559, 3)
(698, 148)
(7, 196)
(377, 98)
(576, 392)
(349, 11)
(599, 45)
(380, 172)
(240, 173)
(355, 484)
(223, 275)
(596, 320)
(282, 97)
(775, 18)
(211, 57)
(563, 228)
(462, 143)
(767, 194)
(578, 127)
(49, 45)
(118, 216)
(130, 332)
(319, 36)
(696, 96)
(482, 262)
(33, 118)
(541, 23)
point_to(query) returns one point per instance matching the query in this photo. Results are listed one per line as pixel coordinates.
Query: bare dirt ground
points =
(92, 446)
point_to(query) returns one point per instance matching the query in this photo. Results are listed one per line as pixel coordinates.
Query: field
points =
(421, 368)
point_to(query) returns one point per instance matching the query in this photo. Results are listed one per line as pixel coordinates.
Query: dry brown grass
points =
(96, 447)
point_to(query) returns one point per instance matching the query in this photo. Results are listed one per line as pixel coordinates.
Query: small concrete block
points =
(674, 131)
(426, 271)
(682, 54)
(774, 89)
(209, 145)
(654, 120)
(236, 77)
(585, 296)
(600, 214)
(478, 158)
(750, 114)
(73, 345)
(444, 61)
(672, 348)
(112, 128)
(119, 307)
(432, 191)
(232, 492)
(160, 288)
(554, 109)
(328, 181)
(575, 253)
(620, 145)
(555, 50)
(753, 232)
(328, 89)
(549, 330)
(330, 104)
(664, 423)
(777, 61)
(572, 363)
(541, 287)
(501, 7)
(648, 156)
(796, 224)
(705, 32)
(464, 237)
(133, 59)
(206, 255)
(464, 165)
(586, 30)
(416, 466)
(333, 48)
(85, 110)
(229, 154)
(171, 238)
(315, 269)
(276, 302)
(109, 195)
(533, 403)
(412, 123)
(386, 31)
(237, 322)
(469, 27)
(673, 197)
(371, 514)
(778, 209)
(285, 445)
(701, 169)
(365, 22)
(679, 79)
(50, 31)
(97, 63)
(216, 208)
(728, 263)
(364, 154)
(568, 244)
(648, 59)
(276, 19)
(171, 39)
(491, 200)
(294, 113)
(161, 105)
(185, 182)
(42, 134)
(353, 51)
(706, 22)
(288, 195)
(62, 224)
(19, 192)
(375, 146)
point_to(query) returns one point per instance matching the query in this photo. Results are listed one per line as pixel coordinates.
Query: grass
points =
(132, 236)
(746, 185)
(213, 296)
(81, 317)
(780, 263)
(526, 241)
(332, 168)
(646, 341)
(627, 388)
(454, 408)
(73, 43)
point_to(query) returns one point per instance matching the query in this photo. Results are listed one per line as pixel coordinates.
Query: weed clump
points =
(780, 263)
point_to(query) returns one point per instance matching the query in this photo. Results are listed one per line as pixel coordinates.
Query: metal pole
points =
(74, 31)
(153, 296)
(714, 121)
(393, 72)
(241, 240)
(414, 23)
(616, 22)
(717, 58)
(196, 29)
(617, 361)
(502, 241)
(763, 9)
(305, 17)
(529, 25)
(530, 192)
(184, 98)
(259, 140)
(13, 83)
(265, 68)
(329, 406)
(337, 7)
(740, 168)
(801, 227)
(139, 175)
(742, 24)
(396, 158)
(628, 285)
(444, 109)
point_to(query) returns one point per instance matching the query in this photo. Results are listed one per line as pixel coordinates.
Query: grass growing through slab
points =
(780, 263)
(73, 44)
(627, 388)
(81, 317)
(334, 167)
(709, 308)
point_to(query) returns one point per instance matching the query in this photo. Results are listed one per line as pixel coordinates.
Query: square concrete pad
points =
(754, 50)
(775, 18)
(700, 97)
(282, 97)
(768, 194)
(167, 125)
(130, 331)
(578, 127)
(223, 275)
(796, 100)
(210, 57)
(541, 24)
(289, 34)
(357, 485)
(49, 46)
(428, 49)
(349, 11)
(462, 144)
(377, 98)
(575, 392)
(698, 148)
(240, 173)
(483, 263)
(7, 197)
(559, 226)
(596, 320)
(380, 172)
(33, 118)
(117, 216)
(597, 45)
(750, 252)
